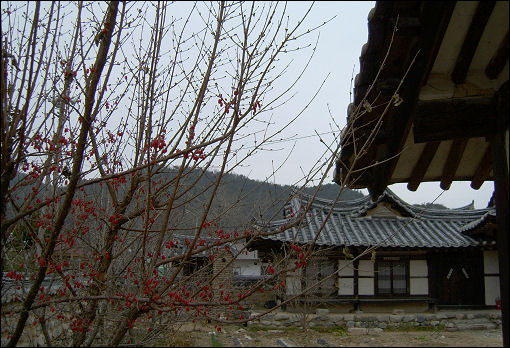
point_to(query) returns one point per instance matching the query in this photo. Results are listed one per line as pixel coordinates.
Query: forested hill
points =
(238, 201)
(247, 199)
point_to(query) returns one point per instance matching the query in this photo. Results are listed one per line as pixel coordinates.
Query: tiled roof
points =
(14, 288)
(489, 216)
(349, 225)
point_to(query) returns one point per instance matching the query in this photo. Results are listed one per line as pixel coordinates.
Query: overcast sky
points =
(338, 54)
(334, 64)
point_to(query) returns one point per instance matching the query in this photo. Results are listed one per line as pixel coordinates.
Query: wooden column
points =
(500, 170)
(356, 283)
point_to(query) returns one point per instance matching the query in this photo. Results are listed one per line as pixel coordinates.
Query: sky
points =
(321, 97)
(337, 54)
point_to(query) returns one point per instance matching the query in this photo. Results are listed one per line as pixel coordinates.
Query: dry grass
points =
(179, 339)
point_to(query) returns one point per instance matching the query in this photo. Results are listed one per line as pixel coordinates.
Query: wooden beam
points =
(498, 61)
(475, 31)
(454, 118)
(501, 105)
(452, 162)
(422, 165)
(483, 169)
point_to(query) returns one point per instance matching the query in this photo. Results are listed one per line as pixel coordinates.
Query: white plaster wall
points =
(247, 267)
(491, 290)
(418, 268)
(346, 286)
(490, 262)
(252, 255)
(348, 270)
(292, 285)
(366, 268)
(366, 286)
(245, 254)
(297, 272)
(419, 286)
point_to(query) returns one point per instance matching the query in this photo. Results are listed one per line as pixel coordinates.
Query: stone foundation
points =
(376, 322)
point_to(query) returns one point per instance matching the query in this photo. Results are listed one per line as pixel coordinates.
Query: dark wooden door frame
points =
(441, 288)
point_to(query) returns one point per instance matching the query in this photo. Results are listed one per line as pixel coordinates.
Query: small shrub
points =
(259, 328)
(215, 342)
(336, 330)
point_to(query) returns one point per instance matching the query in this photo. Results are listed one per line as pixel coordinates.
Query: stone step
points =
(472, 321)
(237, 342)
(476, 326)
(322, 342)
(282, 343)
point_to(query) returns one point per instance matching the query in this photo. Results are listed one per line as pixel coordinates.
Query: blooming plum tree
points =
(108, 112)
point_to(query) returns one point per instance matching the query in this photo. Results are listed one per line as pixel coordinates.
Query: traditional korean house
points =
(430, 103)
(425, 257)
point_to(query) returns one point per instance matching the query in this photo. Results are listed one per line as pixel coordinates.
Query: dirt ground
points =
(237, 336)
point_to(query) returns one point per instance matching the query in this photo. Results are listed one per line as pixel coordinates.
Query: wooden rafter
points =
(498, 61)
(452, 162)
(422, 165)
(483, 169)
(473, 36)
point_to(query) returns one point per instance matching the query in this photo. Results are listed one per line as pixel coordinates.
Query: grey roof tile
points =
(348, 224)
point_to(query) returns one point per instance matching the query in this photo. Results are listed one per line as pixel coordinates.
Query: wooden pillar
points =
(356, 282)
(500, 170)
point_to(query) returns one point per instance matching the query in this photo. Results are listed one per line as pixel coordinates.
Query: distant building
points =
(425, 257)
